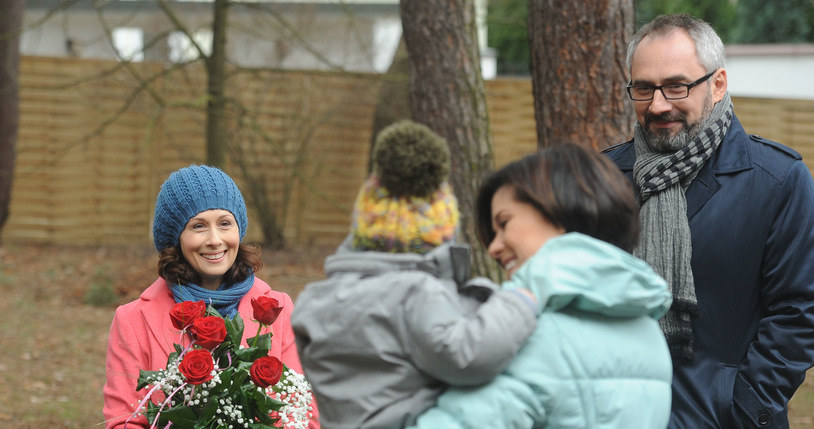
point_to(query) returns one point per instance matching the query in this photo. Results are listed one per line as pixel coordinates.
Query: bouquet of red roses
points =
(212, 381)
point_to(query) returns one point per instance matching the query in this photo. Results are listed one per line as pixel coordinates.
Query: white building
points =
(771, 71)
(352, 35)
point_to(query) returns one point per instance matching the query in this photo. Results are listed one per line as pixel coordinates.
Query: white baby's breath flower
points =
(293, 389)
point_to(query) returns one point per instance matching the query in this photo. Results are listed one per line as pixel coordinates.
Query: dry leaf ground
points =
(52, 340)
(52, 347)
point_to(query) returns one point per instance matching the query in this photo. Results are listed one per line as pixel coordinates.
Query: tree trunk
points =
(578, 71)
(216, 137)
(394, 97)
(448, 96)
(11, 20)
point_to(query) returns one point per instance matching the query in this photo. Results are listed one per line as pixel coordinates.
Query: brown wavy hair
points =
(175, 269)
(574, 188)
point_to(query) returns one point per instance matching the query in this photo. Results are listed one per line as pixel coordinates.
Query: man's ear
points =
(719, 85)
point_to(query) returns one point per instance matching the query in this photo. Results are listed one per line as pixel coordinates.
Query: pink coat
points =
(142, 337)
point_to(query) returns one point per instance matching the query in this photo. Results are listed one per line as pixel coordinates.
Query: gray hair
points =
(708, 46)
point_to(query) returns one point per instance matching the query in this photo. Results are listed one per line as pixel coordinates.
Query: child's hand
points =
(530, 296)
(480, 288)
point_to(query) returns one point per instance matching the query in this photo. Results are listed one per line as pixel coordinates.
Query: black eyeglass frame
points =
(689, 86)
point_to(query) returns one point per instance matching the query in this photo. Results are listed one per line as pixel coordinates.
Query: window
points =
(129, 43)
(182, 50)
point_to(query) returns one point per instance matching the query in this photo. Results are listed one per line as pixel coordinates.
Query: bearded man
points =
(728, 221)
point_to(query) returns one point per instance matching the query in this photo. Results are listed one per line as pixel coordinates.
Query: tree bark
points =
(394, 97)
(216, 136)
(578, 71)
(11, 20)
(448, 96)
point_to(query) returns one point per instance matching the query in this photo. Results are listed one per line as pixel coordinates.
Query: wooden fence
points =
(94, 146)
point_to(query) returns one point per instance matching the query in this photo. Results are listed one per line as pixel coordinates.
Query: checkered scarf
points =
(662, 179)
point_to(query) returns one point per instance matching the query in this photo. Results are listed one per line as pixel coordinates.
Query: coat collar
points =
(159, 290)
(157, 314)
(447, 261)
(731, 157)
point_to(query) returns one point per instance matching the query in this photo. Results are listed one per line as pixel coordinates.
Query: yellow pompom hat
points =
(406, 205)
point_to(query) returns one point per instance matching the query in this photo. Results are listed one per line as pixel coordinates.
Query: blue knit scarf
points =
(225, 299)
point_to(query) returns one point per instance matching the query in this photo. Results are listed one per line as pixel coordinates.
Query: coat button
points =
(763, 419)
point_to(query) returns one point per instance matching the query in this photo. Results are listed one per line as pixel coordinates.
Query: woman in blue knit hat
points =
(199, 224)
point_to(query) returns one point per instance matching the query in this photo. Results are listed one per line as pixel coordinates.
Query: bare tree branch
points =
(125, 63)
(176, 22)
(291, 32)
(62, 5)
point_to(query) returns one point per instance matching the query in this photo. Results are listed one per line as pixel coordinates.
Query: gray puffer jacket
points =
(385, 333)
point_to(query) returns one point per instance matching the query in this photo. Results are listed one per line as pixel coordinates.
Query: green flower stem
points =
(259, 328)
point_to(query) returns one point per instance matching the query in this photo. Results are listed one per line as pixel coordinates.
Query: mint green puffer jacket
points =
(597, 359)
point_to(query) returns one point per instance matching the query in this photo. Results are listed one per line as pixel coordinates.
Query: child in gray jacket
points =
(392, 326)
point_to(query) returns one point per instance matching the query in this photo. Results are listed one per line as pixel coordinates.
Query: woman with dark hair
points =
(562, 223)
(198, 229)
(573, 189)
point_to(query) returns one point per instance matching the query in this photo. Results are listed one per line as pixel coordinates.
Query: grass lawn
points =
(58, 304)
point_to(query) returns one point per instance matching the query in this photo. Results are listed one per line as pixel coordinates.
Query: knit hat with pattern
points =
(188, 192)
(406, 205)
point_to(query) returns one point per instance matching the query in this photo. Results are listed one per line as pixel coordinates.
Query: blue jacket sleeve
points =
(513, 400)
(783, 350)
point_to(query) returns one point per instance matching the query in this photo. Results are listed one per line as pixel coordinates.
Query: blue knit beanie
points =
(188, 192)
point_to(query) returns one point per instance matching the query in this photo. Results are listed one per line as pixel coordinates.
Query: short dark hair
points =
(574, 188)
(175, 269)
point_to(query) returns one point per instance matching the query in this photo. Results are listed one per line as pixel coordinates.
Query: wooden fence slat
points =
(67, 190)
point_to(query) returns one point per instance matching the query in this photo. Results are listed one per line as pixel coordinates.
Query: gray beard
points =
(663, 141)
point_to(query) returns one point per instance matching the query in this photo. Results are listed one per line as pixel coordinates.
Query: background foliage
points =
(508, 34)
(737, 22)
(720, 13)
(774, 21)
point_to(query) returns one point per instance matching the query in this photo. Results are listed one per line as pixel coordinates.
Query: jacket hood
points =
(583, 273)
(449, 261)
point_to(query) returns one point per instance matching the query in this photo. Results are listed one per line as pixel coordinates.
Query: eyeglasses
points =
(670, 91)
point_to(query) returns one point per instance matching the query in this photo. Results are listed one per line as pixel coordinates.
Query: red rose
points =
(209, 331)
(197, 366)
(266, 309)
(184, 313)
(266, 371)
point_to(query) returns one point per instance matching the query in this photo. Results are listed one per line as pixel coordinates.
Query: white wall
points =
(364, 40)
(771, 71)
(314, 37)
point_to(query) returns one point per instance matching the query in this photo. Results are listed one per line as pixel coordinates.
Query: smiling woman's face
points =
(209, 243)
(520, 230)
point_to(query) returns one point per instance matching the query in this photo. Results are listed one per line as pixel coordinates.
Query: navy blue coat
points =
(751, 216)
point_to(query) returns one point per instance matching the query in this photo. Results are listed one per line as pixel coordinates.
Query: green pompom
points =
(410, 159)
